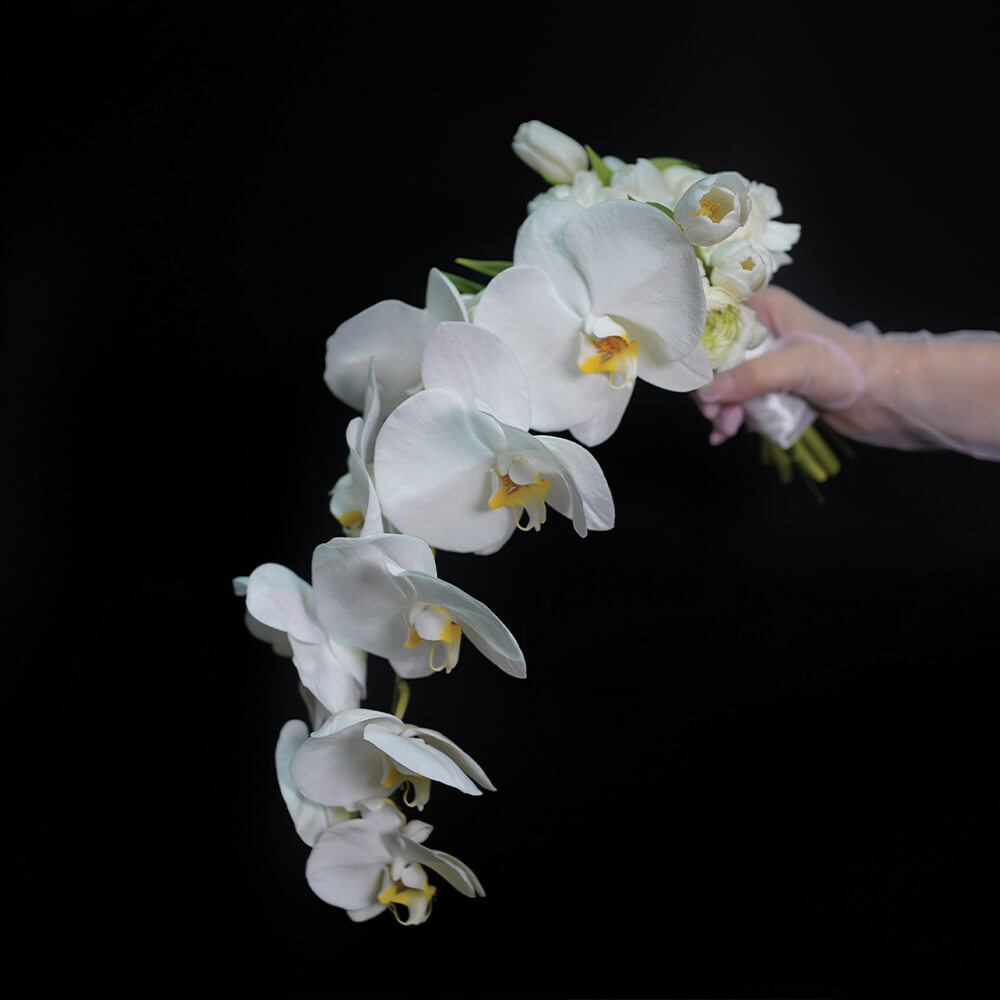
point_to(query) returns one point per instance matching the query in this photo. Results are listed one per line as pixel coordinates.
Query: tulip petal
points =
(432, 462)
(480, 625)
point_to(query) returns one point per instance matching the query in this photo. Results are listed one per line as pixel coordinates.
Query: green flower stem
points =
(400, 698)
(820, 450)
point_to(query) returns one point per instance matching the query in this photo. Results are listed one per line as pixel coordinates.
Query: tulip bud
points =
(553, 154)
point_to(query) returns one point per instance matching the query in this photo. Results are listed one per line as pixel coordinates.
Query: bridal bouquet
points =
(475, 413)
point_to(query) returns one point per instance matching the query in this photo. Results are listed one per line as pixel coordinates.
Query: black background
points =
(751, 756)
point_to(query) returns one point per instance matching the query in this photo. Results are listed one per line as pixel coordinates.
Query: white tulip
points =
(713, 207)
(552, 153)
(741, 267)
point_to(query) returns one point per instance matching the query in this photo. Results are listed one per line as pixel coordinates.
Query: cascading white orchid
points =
(394, 334)
(455, 464)
(621, 271)
(377, 862)
(281, 610)
(382, 593)
(596, 298)
(360, 756)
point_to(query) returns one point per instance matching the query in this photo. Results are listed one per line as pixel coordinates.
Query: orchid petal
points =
(475, 364)
(676, 374)
(651, 279)
(480, 625)
(356, 599)
(432, 463)
(523, 308)
(539, 243)
(310, 818)
(282, 600)
(346, 865)
(417, 758)
(340, 769)
(580, 467)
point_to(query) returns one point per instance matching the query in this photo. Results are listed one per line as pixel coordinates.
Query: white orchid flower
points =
(714, 207)
(456, 466)
(377, 862)
(360, 756)
(552, 153)
(740, 267)
(382, 593)
(281, 610)
(311, 818)
(394, 334)
(596, 298)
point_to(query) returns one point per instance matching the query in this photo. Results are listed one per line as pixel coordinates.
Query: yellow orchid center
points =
(416, 900)
(430, 623)
(416, 788)
(351, 521)
(607, 348)
(529, 496)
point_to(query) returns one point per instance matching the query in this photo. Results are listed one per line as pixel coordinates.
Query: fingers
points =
(781, 312)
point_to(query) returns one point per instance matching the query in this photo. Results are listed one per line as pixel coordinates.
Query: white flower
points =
(740, 267)
(731, 329)
(360, 756)
(763, 229)
(585, 189)
(394, 334)
(455, 464)
(377, 862)
(644, 181)
(713, 207)
(382, 593)
(552, 153)
(311, 818)
(281, 610)
(677, 178)
(353, 500)
(597, 297)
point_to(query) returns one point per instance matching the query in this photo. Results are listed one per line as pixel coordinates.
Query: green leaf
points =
(490, 268)
(602, 170)
(663, 208)
(464, 285)
(662, 162)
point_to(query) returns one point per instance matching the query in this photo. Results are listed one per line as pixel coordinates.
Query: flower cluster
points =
(476, 413)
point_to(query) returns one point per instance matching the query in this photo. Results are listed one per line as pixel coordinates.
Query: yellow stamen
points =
(351, 521)
(713, 209)
(612, 354)
(530, 496)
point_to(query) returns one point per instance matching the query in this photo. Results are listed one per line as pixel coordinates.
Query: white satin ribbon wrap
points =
(779, 416)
